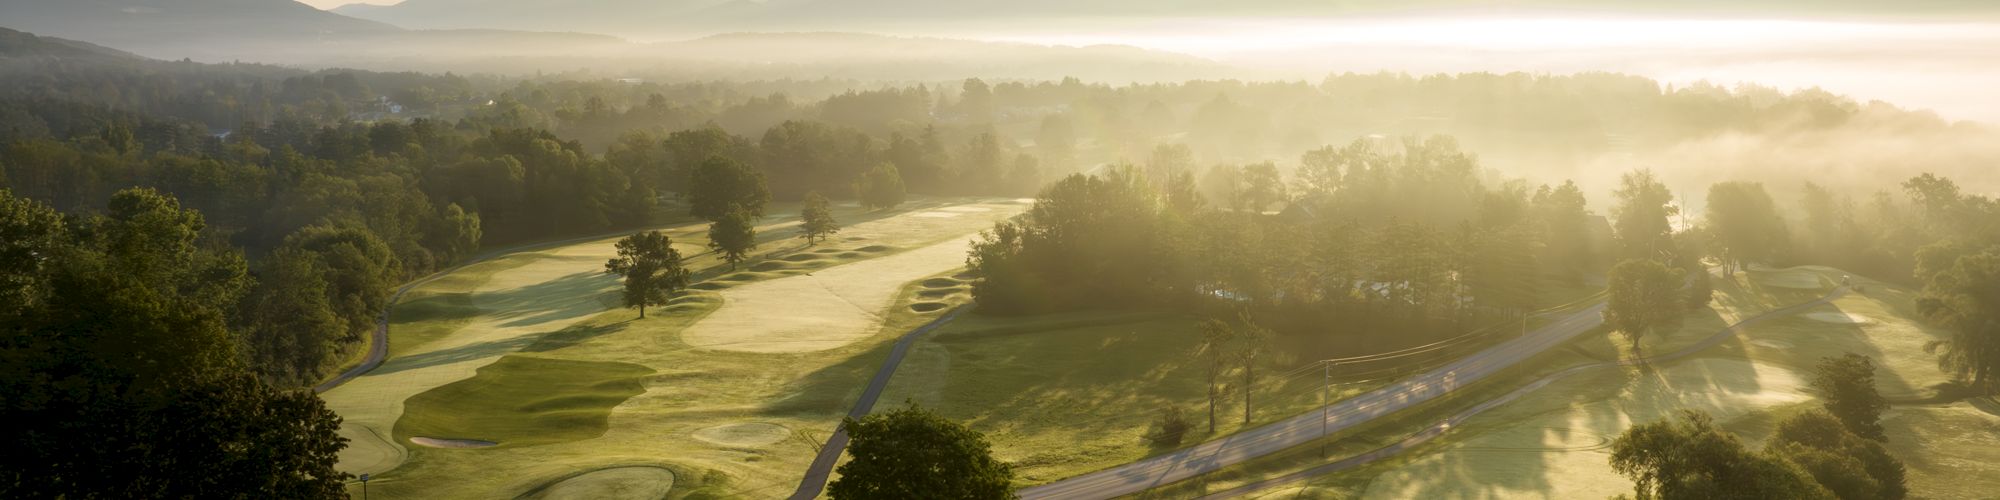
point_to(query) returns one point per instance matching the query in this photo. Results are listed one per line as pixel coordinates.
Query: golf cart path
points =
(1442, 426)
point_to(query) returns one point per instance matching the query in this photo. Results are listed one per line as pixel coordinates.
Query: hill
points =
(139, 25)
(640, 18)
(23, 45)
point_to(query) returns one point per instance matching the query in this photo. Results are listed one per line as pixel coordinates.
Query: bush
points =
(1173, 426)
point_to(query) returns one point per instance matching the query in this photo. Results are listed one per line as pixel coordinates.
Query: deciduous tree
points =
(651, 267)
(915, 454)
(733, 236)
(816, 219)
(1642, 299)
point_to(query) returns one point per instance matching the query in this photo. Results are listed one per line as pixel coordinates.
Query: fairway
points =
(528, 352)
(836, 306)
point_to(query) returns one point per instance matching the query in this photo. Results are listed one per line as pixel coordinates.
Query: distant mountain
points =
(21, 45)
(138, 25)
(682, 18)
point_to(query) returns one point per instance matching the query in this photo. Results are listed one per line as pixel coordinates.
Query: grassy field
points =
(527, 350)
(1551, 443)
(1060, 395)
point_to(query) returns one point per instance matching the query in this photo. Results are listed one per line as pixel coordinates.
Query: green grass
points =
(1065, 394)
(1548, 444)
(524, 401)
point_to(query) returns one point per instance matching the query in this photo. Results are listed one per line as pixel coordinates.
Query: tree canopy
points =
(914, 453)
(651, 267)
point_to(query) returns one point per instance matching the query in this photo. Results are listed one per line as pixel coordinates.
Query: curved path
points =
(1439, 428)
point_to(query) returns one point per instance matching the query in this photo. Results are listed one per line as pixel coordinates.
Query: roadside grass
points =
(524, 401)
(1550, 442)
(1065, 394)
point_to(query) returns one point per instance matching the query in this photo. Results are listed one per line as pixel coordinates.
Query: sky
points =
(330, 4)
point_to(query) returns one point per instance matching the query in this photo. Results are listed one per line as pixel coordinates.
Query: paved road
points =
(1439, 428)
(822, 465)
(1270, 438)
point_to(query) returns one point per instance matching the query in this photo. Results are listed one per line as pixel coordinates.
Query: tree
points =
(1252, 342)
(882, 187)
(816, 220)
(1642, 228)
(1564, 217)
(1642, 299)
(1262, 186)
(734, 236)
(719, 183)
(651, 267)
(1851, 466)
(1965, 298)
(1846, 388)
(122, 343)
(1745, 224)
(913, 453)
(1216, 337)
(1690, 458)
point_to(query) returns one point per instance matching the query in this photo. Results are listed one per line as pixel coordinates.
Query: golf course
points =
(519, 375)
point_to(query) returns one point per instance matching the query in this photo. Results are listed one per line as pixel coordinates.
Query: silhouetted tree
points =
(720, 183)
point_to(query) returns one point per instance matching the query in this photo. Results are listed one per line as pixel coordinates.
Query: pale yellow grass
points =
(837, 306)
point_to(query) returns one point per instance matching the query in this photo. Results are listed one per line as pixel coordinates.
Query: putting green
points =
(524, 401)
(836, 306)
(633, 482)
(751, 434)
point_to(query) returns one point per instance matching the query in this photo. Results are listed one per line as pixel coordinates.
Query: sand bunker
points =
(934, 214)
(1774, 344)
(452, 443)
(966, 209)
(1838, 318)
(750, 434)
(636, 482)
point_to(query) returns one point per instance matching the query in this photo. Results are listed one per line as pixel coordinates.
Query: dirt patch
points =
(452, 443)
(927, 306)
(633, 481)
(1839, 318)
(747, 435)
